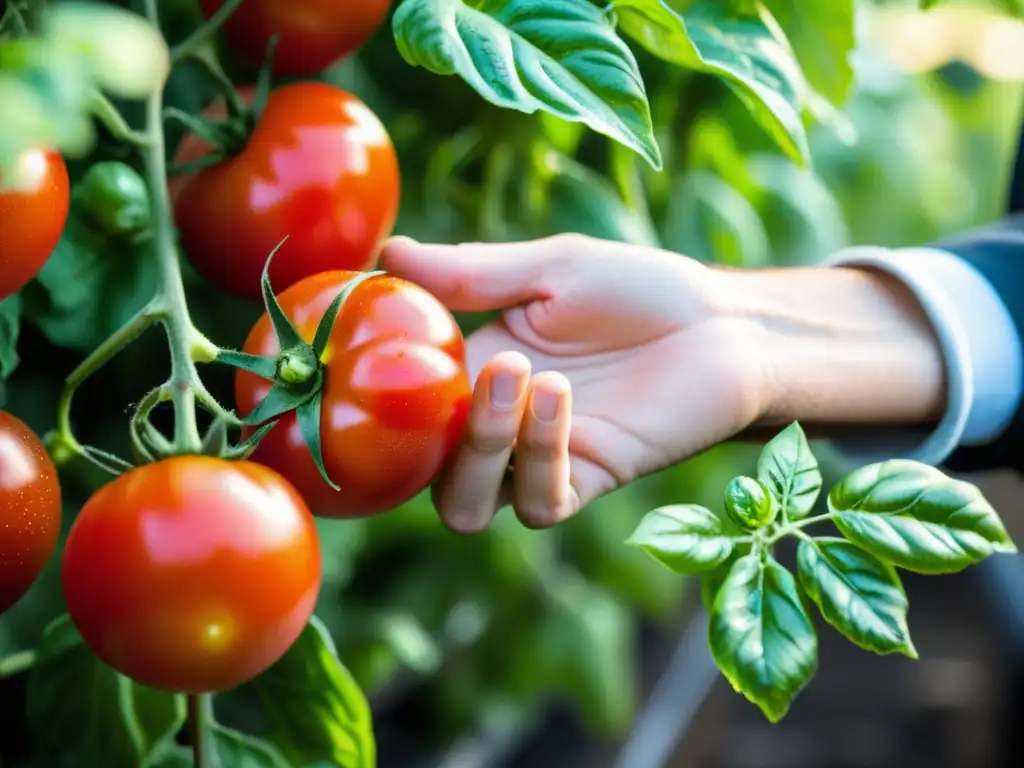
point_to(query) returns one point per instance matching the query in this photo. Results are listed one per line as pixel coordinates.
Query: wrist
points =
(839, 346)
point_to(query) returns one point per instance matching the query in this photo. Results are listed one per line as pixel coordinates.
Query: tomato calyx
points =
(297, 371)
(227, 137)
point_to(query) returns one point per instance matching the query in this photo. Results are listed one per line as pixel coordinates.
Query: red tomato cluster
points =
(193, 573)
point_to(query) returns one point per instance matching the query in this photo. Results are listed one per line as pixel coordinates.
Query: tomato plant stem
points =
(117, 341)
(17, 663)
(182, 336)
(200, 711)
(112, 120)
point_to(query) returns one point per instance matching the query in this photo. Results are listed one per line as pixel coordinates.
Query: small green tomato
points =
(749, 503)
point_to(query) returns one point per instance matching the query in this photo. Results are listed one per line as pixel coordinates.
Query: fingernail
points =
(545, 405)
(504, 391)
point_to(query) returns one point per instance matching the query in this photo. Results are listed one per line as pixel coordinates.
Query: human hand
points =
(608, 362)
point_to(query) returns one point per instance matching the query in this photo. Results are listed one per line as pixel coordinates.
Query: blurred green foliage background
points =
(489, 626)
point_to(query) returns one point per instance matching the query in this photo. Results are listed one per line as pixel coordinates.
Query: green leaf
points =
(790, 471)
(81, 712)
(558, 56)
(318, 710)
(748, 52)
(917, 518)
(823, 35)
(687, 538)
(90, 287)
(231, 748)
(10, 327)
(760, 635)
(712, 581)
(749, 503)
(857, 593)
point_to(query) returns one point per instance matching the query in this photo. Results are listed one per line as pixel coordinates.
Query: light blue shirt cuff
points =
(980, 345)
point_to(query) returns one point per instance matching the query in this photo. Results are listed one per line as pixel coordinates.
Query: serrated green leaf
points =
(10, 328)
(556, 56)
(748, 52)
(857, 593)
(89, 288)
(687, 538)
(318, 710)
(231, 749)
(760, 635)
(81, 712)
(790, 471)
(823, 35)
(915, 517)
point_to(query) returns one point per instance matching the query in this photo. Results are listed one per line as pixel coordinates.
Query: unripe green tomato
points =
(749, 503)
(116, 197)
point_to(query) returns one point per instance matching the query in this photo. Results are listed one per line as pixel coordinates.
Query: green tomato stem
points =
(107, 113)
(121, 338)
(795, 529)
(191, 44)
(181, 333)
(200, 715)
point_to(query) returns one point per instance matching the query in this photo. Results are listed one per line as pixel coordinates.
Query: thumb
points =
(476, 277)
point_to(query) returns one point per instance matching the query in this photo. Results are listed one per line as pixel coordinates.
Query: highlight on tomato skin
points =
(30, 509)
(396, 394)
(193, 574)
(313, 34)
(32, 218)
(319, 169)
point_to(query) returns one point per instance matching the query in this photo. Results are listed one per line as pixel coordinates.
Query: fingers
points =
(510, 410)
(544, 495)
(476, 277)
(468, 495)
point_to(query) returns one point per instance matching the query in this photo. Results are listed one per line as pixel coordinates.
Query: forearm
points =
(841, 347)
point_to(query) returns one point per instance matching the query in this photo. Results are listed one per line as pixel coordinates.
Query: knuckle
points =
(488, 437)
(540, 444)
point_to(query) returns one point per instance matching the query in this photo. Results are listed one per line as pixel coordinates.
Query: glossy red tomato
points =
(313, 33)
(193, 574)
(395, 398)
(32, 220)
(319, 168)
(29, 509)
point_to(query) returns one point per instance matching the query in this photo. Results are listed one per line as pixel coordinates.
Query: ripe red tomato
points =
(193, 574)
(29, 509)
(313, 33)
(320, 168)
(32, 220)
(395, 397)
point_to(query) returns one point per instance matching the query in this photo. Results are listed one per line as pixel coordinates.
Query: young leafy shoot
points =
(893, 514)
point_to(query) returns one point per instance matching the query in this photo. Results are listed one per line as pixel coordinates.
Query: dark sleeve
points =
(997, 251)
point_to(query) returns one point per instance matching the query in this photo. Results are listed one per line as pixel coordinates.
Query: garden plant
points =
(218, 547)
